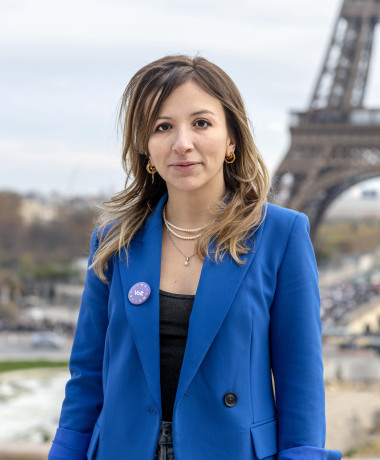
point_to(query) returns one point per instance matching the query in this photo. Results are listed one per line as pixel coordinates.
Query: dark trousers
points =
(165, 443)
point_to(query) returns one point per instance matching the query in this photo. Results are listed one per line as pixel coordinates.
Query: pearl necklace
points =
(171, 226)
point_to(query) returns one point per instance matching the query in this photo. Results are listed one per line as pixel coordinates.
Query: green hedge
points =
(6, 366)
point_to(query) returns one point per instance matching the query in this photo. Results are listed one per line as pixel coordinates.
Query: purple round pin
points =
(139, 293)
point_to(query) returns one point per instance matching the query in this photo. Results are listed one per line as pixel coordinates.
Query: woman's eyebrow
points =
(199, 112)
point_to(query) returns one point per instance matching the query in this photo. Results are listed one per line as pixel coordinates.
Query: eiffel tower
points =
(335, 143)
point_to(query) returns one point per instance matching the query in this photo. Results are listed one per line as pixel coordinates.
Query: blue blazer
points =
(247, 321)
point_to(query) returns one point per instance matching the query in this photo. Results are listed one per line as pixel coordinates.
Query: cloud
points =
(47, 166)
(223, 25)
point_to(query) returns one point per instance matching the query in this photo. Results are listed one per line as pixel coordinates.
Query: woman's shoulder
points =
(278, 218)
(274, 211)
(101, 231)
(279, 226)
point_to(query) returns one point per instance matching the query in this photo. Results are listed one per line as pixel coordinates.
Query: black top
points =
(175, 310)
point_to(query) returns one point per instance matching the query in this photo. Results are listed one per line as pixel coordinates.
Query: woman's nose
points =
(183, 141)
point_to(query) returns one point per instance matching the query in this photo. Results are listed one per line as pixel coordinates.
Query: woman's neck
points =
(190, 210)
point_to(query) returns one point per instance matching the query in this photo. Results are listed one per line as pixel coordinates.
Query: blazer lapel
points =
(144, 264)
(217, 287)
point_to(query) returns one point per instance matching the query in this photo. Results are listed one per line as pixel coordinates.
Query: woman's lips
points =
(185, 167)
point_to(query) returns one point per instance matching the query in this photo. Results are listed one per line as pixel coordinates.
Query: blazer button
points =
(230, 399)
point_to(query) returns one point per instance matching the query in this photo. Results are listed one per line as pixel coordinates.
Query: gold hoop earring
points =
(151, 169)
(230, 158)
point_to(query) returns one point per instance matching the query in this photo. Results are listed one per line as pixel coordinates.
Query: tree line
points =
(28, 248)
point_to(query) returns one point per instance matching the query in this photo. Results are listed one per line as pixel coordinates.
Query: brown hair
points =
(247, 179)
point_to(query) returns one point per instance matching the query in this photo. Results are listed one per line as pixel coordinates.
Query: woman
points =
(192, 233)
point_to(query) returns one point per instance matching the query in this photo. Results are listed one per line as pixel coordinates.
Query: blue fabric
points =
(264, 437)
(69, 444)
(247, 320)
(309, 452)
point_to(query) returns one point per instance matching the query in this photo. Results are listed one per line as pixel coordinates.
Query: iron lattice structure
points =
(336, 142)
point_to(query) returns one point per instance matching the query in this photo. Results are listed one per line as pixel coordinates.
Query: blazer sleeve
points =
(84, 393)
(296, 352)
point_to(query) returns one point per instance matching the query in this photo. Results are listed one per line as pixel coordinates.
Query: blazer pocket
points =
(93, 443)
(264, 437)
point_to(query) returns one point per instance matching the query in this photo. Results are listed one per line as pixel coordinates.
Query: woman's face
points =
(190, 140)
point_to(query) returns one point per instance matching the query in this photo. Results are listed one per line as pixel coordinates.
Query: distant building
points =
(34, 208)
(39, 207)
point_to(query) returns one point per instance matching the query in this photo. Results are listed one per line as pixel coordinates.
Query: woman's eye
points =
(163, 127)
(202, 123)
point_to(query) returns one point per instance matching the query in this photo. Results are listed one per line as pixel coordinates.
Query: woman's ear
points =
(231, 144)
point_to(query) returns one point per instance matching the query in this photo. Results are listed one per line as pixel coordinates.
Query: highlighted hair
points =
(247, 179)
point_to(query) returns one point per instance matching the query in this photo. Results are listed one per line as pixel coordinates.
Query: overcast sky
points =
(64, 66)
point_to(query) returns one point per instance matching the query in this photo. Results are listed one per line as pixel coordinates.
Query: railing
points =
(358, 117)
